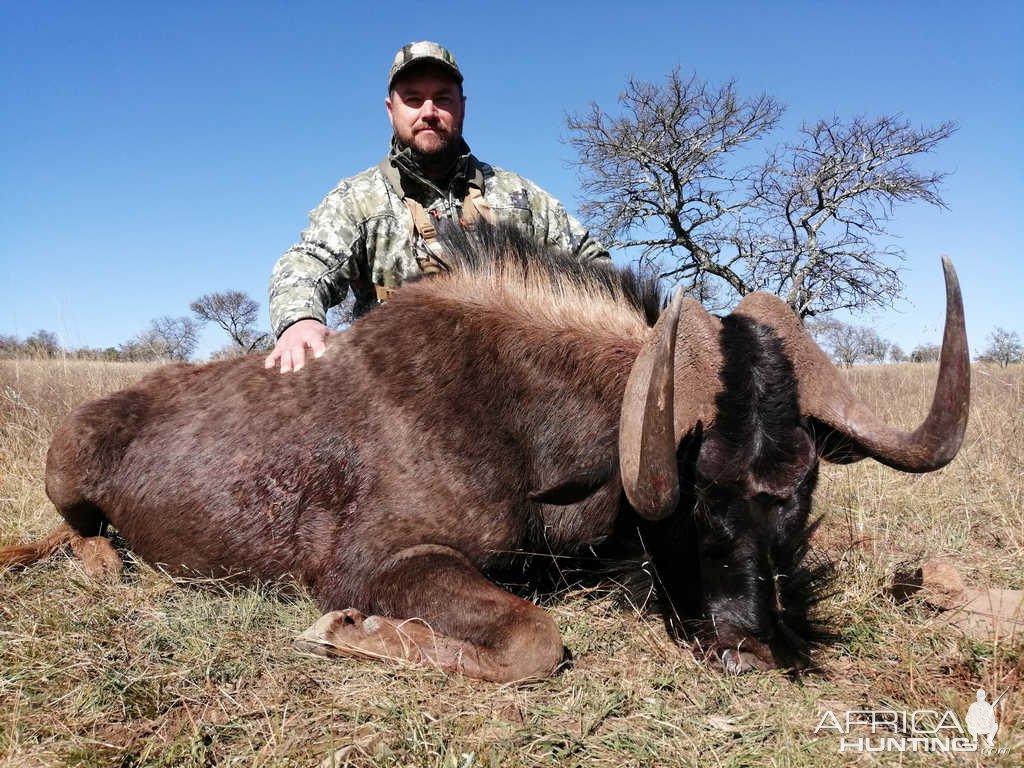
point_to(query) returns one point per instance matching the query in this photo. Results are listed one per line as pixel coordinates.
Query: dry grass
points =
(150, 672)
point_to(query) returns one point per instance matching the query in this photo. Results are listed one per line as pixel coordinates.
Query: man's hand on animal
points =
(299, 338)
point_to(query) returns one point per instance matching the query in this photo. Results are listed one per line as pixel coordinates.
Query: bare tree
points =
(179, 334)
(675, 178)
(10, 345)
(875, 348)
(167, 338)
(1004, 347)
(925, 353)
(42, 343)
(849, 344)
(234, 311)
(143, 346)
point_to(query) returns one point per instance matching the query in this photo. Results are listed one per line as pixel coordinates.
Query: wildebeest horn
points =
(647, 448)
(698, 365)
(662, 403)
(824, 395)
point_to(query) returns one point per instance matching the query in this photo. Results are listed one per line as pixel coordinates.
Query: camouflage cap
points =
(416, 53)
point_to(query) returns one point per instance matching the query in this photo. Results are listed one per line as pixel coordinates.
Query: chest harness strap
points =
(431, 260)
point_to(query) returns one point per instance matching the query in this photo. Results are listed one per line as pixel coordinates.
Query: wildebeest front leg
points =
(432, 606)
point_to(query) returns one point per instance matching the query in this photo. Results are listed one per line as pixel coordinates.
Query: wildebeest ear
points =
(576, 487)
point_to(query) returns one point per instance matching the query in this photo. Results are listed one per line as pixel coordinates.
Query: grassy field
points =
(153, 672)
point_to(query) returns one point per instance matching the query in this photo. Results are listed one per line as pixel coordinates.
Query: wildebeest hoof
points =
(350, 617)
(323, 636)
(736, 662)
(350, 633)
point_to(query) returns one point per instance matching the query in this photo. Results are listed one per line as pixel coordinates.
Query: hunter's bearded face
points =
(426, 108)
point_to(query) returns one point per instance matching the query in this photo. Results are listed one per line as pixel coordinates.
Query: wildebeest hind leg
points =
(435, 608)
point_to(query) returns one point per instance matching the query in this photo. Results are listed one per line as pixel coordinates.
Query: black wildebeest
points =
(515, 402)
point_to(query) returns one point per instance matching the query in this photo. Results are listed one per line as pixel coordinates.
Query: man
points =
(374, 229)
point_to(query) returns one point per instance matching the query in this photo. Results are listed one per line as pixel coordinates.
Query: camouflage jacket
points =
(362, 235)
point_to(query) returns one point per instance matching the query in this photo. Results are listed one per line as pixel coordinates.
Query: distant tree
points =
(1004, 347)
(925, 353)
(849, 344)
(227, 351)
(9, 345)
(167, 338)
(42, 344)
(264, 343)
(85, 353)
(896, 354)
(830, 335)
(143, 346)
(179, 334)
(110, 354)
(235, 312)
(876, 349)
(674, 178)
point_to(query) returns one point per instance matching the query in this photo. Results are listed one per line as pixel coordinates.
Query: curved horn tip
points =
(675, 303)
(939, 437)
(954, 336)
(949, 272)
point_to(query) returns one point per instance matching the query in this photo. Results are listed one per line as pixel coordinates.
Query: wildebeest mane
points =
(505, 251)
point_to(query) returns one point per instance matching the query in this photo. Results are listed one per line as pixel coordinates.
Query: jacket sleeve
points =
(314, 274)
(564, 231)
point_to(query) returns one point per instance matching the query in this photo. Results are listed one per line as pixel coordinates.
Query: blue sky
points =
(153, 152)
